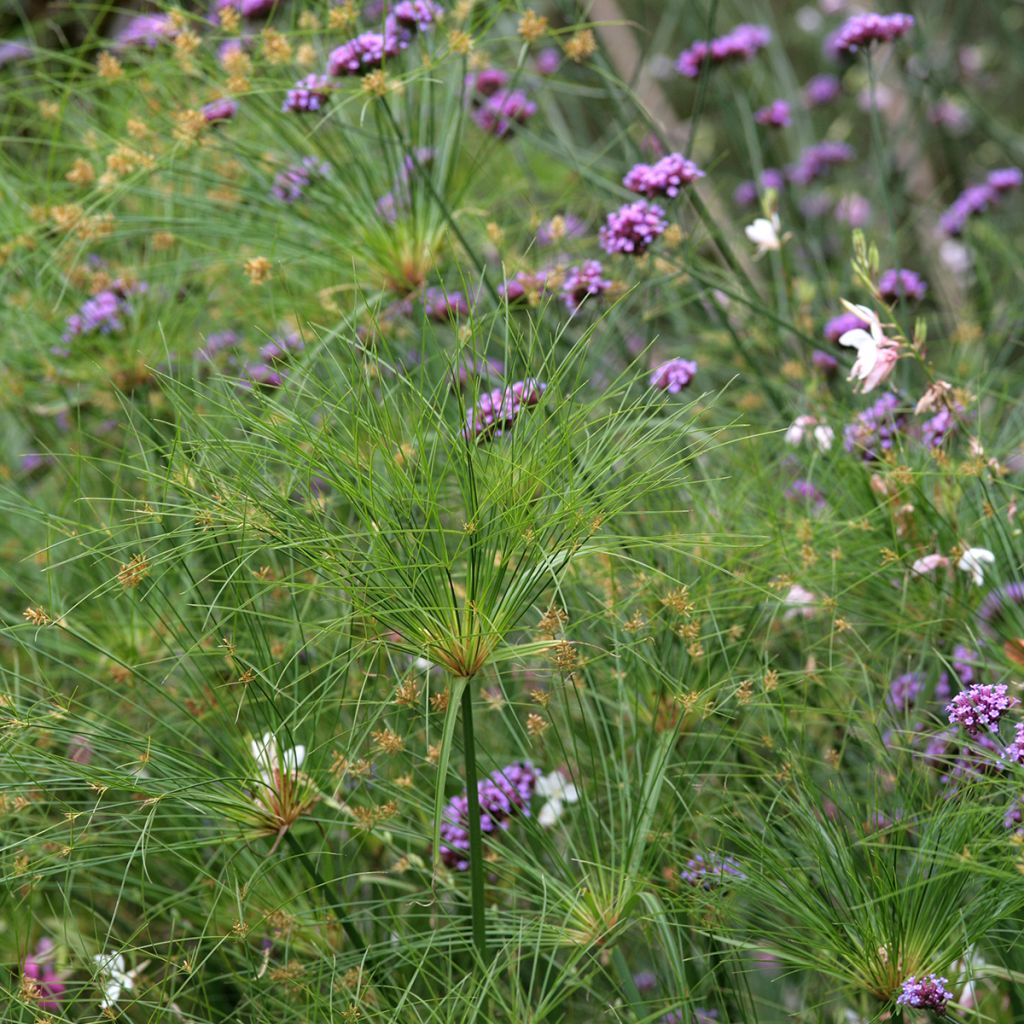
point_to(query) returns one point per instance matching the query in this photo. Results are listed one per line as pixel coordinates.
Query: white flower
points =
(974, 560)
(764, 233)
(822, 433)
(113, 977)
(799, 601)
(272, 763)
(876, 354)
(559, 791)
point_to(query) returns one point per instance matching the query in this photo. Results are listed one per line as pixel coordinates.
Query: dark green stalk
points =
(476, 853)
(318, 881)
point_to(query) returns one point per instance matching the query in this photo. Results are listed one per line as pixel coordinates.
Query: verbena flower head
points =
(805, 492)
(711, 870)
(874, 431)
(505, 793)
(443, 306)
(840, 325)
(418, 15)
(674, 375)
(102, 314)
(524, 286)
(862, 30)
(997, 607)
(926, 993)
(664, 178)
(746, 192)
(743, 43)
(936, 430)
(898, 284)
(632, 228)
(824, 362)
(976, 199)
(504, 111)
(904, 691)
(980, 707)
(216, 111)
(309, 95)
(486, 82)
(582, 282)
(776, 115)
(146, 30)
(817, 160)
(365, 52)
(1015, 749)
(290, 184)
(821, 89)
(496, 411)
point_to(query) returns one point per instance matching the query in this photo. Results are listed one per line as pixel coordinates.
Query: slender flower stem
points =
(476, 853)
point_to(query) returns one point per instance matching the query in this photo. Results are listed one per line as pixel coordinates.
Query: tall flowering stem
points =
(476, 852)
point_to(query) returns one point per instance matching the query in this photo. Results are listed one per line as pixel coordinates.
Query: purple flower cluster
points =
(223, 109)
(484, 83)
(146, 30)
(976, 199)
(897, 284)
(12, 50)
(664, 178)
(744, 42)
(270, 371)
(824, 362)
(817, 160)
(367, 51)
(1015, 749)
(247, 8)
(710, 871)
(632, 228)
(980, 707)
(419, 15)
(503, 794)
(674, 375)
(103, 313)
(904, 691)
(290, 185)
(503, 111)
(443, 307)
(996, 604)
(221, 341)
(928, 993)
(523, 286)
(875, 430)
(804, 492)
(496, 411)
(936, 430)
(864, 29)
(821, 90)
(746, 192)
(308, 96)
(583, 281)
(776, 115)
(282, 347)
(47, 985)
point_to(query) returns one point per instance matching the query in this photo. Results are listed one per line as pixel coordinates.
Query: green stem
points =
(476, 852)
(318, 882)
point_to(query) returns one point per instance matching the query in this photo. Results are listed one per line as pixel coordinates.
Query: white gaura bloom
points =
(808, 426)
(929, 563)
(559, 791)
(272, 762)
(876, 354)
(800, 602)
(974, 560)
(113, 977)
(764, 233)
